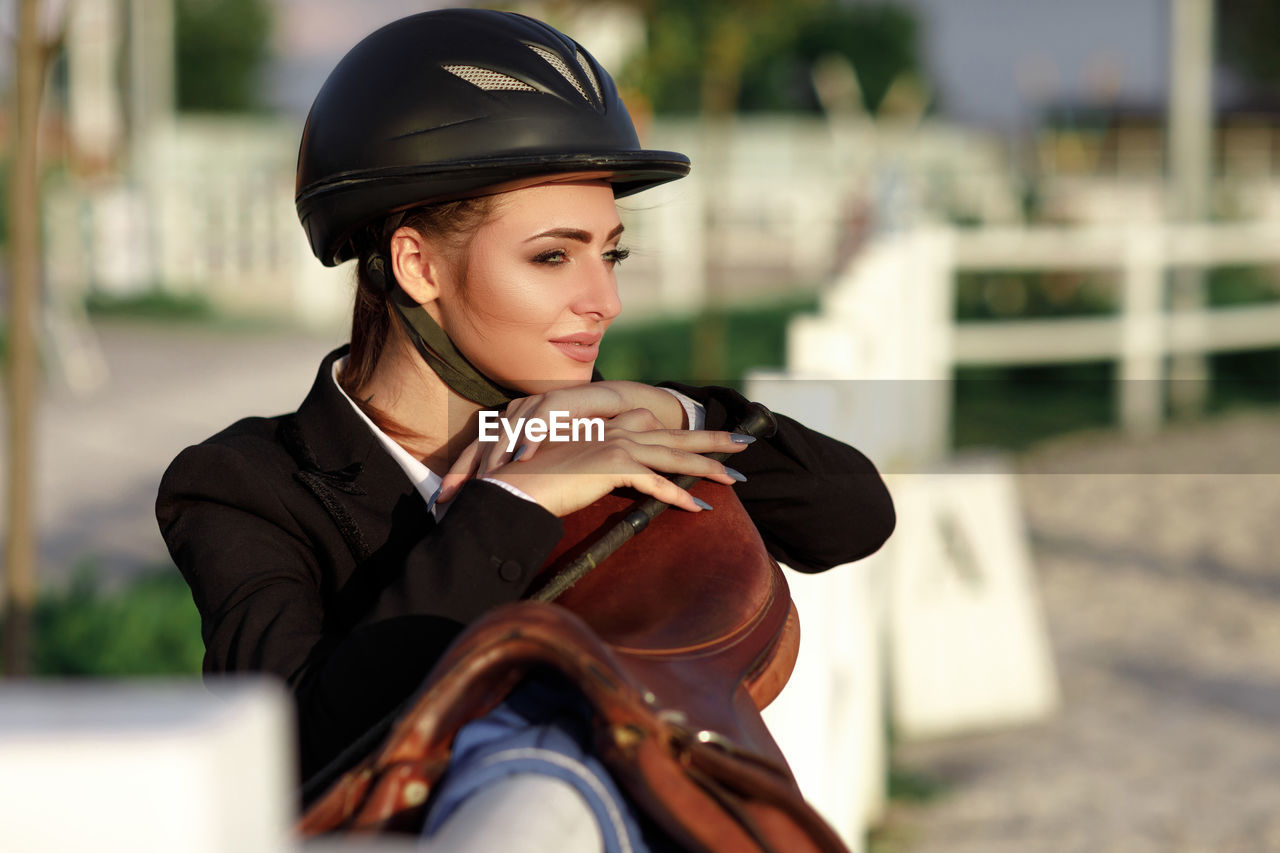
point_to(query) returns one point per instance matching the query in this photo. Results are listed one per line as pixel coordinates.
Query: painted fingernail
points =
(702, 504)
(735, 474)
(435, 496)
(519, 452)
(742, 438)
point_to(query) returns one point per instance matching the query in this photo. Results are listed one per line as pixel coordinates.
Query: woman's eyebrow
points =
(575, 234)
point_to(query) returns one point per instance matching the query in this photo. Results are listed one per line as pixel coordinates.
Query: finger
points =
(657, 486)
(525, 450)
(587, 400)
(463, 469)
(492, 454)
(692, 440)
(498, 451)
(579, 411)
(671, 460)
(505, 440)
(636, 420)
(513, 422)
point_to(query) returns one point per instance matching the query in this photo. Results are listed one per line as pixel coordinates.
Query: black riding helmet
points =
(441, 104)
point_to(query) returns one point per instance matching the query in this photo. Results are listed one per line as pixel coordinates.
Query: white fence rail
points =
(207, 208)
(891, 316)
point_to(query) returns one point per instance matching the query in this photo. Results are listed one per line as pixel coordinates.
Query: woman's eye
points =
(551, 256)
(617, 256)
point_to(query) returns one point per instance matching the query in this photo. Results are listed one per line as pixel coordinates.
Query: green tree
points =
(147, 627)
(720, 56)
(879, 41)
(1246, 33)
(221, 46)
(696, 52)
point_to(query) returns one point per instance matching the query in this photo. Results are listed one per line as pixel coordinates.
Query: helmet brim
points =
(393, 189)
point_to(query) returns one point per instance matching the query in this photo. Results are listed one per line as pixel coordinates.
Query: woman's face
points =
(534, 292)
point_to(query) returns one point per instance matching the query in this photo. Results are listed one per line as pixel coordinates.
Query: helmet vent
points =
(559, 64)
(489, 80)
(591, 76)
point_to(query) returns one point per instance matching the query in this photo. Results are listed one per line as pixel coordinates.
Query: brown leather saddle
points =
(676, 642)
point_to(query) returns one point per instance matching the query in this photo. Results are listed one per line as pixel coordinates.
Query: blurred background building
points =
(849, 118)
(1050, 230)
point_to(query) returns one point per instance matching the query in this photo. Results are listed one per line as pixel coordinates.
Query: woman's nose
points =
(599, 295)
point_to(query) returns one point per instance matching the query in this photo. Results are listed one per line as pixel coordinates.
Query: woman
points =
(469, 161)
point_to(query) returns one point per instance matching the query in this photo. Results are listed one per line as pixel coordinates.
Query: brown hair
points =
(373, 315)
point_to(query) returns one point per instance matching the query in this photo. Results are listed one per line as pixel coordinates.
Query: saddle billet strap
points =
(704, 793)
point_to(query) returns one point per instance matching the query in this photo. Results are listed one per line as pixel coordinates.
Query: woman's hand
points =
(566, 476)
(594, 400)
(664, 405)
(602, 399)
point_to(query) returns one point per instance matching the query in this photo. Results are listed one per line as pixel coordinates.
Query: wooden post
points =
(1141, 367)
(1190, 146)
(23, 357)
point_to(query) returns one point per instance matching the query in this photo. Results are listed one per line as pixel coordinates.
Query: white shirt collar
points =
(426, 481)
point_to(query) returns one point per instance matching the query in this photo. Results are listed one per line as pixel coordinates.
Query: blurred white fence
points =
(772, 203)
(207, 208)
(782, 202)
(1145, 332)
(947, 617)
(891, 316)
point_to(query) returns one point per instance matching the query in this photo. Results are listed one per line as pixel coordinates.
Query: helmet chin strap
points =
(436, 349)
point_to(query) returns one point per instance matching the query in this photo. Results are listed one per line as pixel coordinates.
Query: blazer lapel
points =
(342, 463)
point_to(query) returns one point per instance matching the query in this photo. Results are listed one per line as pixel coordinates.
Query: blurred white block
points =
(968, 646)
(829, 720)
(861, 413)
(140, 766)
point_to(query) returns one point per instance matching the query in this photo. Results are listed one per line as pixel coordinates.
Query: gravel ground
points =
(100, 453)
(1160, 580)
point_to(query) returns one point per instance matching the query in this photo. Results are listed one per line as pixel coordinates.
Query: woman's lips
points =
(578, 351)
(584, 346)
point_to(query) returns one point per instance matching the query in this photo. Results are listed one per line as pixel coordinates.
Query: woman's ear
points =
(416, 264)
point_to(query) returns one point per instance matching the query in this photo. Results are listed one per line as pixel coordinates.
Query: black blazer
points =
(311, 556)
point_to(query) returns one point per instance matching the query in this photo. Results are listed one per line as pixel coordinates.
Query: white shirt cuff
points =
(502, 484)
(694, 412)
